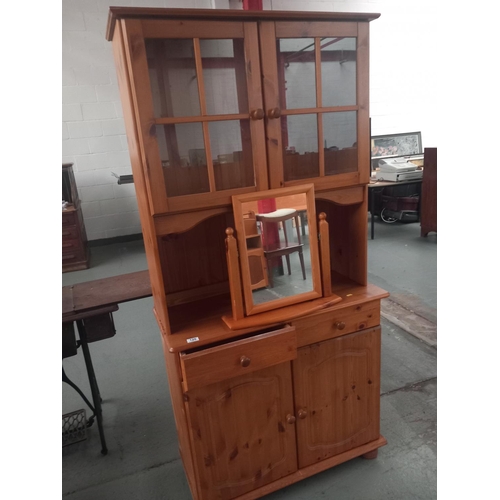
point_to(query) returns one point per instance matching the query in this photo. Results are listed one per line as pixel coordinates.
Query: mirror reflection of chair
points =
(273, 247)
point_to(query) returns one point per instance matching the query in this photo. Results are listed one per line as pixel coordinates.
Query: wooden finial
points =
(229, 231)
(322, 216)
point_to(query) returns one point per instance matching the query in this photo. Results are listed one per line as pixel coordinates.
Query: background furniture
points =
(75, 251)
(281, 216)
(260, 407)
(428, 204)
(376, 188)
(255, 250)
(91, 305)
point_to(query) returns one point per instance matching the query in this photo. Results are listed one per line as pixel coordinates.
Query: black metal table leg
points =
(96, 397)
(372, 209)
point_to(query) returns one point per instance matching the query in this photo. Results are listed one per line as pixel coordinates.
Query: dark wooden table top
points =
(103, 294)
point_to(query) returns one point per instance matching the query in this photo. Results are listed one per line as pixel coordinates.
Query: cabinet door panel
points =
(337, 395)
(315, 79)
(240, 434)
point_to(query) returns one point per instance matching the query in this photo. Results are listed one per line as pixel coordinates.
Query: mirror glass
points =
(277, 242)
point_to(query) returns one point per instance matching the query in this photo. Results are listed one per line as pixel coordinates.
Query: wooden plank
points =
(172, 28)
(136, 158)
(242, 433)
(140, 88)
(345, 413)
(233, 266)
(109, 291)
(197, 119)
(348, 196)
(180, 223)
(283, 314)
(270, 87)
(310, 29)
(332, 323)
(328, 182)
(255, 102)
(146, 13)
(219, 363)
(314, 469)
(324, 252)
(363, 101)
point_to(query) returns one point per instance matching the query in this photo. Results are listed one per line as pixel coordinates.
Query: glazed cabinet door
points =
(316, 93)
(243, 432)
(198, 105)
(337, 395)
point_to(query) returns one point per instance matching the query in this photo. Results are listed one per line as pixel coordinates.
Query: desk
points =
(91, 305)
(377, 187)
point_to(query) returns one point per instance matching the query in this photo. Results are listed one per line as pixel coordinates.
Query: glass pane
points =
(172, 73)
(183, 158)
(340, 141)
(296, 73)
(300, 146)
(232, 154)
(224, 76)
(338, 71)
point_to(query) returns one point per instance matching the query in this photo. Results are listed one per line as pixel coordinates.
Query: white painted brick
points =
(85, 178)
(105, 144)
(107, 93)
(104, 176)
(118, 109)
(91, 162)
(71, 112)
(124, 190)
(91, 209)
(119, 205)
(84, 129)
(68, 159)
(95, 235)
(113, 127)
(68, 76)
(128, 219)
(96, 21)
(96, 193)
(72, 21)
(75, 147)
(102, 56)
(92, 75)
(301, 5)
(79, 94)
(79, 5)
(118, 159)
(65, 133)
(98, 111)
(96, 225)
(124, 142)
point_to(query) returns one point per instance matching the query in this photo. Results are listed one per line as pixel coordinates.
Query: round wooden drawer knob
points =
(244, 361)
(290, 419)
(340, 325)
(274, 113)
(302, 414)
(257, 114)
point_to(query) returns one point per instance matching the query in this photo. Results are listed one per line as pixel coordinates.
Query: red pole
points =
(252, 4)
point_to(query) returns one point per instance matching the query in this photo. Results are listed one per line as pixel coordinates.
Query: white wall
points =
(93, 132)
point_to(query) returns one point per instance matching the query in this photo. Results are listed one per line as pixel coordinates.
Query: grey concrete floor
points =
(143, 462)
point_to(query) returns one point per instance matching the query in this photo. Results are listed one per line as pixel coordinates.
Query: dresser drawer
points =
(69, 218)
(329, 324)
(222, 362)
(71, 246)
(69, 232)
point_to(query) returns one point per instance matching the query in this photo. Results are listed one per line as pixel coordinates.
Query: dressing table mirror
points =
(278, 247)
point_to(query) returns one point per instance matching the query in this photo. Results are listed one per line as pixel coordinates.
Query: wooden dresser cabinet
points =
(75, 251)
(219, 105)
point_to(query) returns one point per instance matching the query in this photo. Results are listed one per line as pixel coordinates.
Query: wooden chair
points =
(276, 249)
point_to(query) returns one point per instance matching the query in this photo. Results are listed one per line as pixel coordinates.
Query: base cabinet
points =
(251, 430)
(242, 432)
(337, 393)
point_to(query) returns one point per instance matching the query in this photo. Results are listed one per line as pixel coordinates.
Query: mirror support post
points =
(324, 251)
(233, 267)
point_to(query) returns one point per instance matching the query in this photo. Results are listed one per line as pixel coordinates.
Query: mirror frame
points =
(316, 292)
